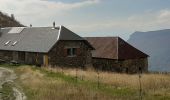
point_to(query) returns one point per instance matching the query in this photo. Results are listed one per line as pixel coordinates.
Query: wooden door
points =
(21, 57)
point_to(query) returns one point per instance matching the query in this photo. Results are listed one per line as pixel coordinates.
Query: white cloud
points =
(27, 4)
(152, 20)
(36, 11)
(141, 22)
(123, 27)
(164, 14)
(42, 13)
(164, 17)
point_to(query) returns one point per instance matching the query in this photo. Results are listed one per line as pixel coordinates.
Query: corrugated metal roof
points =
(35, 39)
(114, 48)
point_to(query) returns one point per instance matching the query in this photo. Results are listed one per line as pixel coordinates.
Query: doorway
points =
(21, 57)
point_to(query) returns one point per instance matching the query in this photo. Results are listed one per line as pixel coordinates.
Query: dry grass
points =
(39, 87)
(149, 81)
(39, 84)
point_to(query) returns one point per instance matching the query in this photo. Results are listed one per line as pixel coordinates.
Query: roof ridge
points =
(58, 37)
(103, 37)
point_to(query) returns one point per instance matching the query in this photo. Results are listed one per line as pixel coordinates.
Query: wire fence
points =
(80, 76)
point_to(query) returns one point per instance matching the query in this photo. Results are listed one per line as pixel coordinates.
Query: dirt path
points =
(6, 76)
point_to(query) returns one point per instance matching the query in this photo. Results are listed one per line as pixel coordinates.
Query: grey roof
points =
(35, 39)
(69, 35)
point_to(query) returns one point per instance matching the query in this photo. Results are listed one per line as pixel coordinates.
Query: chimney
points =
(30, 25)
(53, 24)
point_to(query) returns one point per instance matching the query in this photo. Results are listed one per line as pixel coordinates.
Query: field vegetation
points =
(76, 84)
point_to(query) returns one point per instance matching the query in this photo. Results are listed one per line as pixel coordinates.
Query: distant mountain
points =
(8, 21)
(157, 45)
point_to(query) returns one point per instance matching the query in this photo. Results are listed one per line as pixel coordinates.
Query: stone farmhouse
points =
(58, 46)
(44, 46)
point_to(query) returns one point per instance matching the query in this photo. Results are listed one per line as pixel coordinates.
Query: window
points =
(6, 43)
(14, 43)
(71, 52)
(16, 30)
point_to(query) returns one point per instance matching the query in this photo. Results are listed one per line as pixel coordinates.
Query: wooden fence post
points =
(76, 74)
(98, 79)
(62, 70)
(140, 84)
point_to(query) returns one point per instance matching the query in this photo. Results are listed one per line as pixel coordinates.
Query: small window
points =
(14, 43)
(71, 52)
(6, 43)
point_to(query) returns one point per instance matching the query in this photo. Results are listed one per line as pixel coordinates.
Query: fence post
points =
(98, 78)
(62, 70)
(76, 74)
(51, 69)
(140, 84)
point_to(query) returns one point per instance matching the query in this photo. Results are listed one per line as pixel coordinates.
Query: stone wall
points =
(57, 55)
(134, 65)
(22, 57)
(6, 55)
(34, 58)
(125, 66)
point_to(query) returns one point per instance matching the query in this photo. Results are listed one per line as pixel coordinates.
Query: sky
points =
(92, 17)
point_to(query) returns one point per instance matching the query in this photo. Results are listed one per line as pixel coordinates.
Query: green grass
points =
(11, 66)
(7, 92)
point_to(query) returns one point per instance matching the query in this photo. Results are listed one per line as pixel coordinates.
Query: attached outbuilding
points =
(115, 54)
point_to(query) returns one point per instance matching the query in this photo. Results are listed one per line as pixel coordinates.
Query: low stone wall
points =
(125, 66)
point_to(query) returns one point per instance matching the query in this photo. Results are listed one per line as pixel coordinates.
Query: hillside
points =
(7, 21)
(155, 44)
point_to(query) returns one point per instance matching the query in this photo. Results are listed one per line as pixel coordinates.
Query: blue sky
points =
(93, 17)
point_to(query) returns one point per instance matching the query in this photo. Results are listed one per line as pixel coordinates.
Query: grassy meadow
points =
(75, 84)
